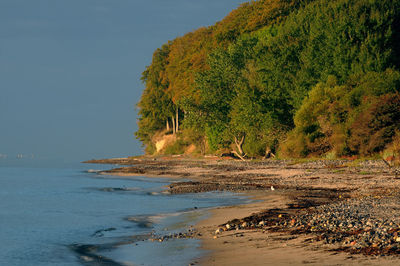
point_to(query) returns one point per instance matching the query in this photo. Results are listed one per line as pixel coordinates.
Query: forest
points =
(284, 78)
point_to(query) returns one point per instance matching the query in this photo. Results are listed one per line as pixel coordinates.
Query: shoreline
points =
(276, 229)
(264, 247)
(150, 237)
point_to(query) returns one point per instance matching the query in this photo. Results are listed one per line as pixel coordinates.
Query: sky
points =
(70, 71)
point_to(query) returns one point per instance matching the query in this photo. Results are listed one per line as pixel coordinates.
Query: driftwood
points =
(239, 144)
(268, 154)
(387, 163)
(238, 155)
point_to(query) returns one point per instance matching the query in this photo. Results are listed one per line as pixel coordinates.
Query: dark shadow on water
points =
(157, 191)
(99, 233)
(88, 254)
(118, 189)
(142, 221)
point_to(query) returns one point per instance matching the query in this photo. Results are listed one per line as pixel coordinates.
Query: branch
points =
(241, 141)
(387, 163)
(236, 141)
(238, 155)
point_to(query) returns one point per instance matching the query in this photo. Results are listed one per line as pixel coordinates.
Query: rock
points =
(228, 226)
(218, 231)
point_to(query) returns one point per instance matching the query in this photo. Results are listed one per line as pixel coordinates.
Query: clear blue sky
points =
(70, 70)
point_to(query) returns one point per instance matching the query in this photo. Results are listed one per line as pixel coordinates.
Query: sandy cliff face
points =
(162, 141)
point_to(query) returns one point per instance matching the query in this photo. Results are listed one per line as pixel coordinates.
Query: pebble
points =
(219, 231)
(358, 223)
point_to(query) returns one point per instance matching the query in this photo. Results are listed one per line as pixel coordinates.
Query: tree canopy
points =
(301, 78)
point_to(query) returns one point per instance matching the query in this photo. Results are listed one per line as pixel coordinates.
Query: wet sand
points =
(268, 232)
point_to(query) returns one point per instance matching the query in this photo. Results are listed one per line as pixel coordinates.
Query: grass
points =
(365, 173)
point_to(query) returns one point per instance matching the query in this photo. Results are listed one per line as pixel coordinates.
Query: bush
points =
(216, 137)
(254, 146)
(295, 146)
(177, 147)
(375, 126)
(392, 152)
(150, 148)
(359, 117)
(197, 138)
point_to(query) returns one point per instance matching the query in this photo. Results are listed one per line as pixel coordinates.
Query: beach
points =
(328, 212)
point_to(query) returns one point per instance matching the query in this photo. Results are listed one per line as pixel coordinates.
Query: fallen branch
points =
(387, 163)
(268, 154)
(238, 155)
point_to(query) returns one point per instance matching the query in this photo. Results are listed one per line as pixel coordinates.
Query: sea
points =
(75, 216)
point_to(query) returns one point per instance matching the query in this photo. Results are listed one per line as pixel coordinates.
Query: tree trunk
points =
(167, 125)
(173, 125)
(239, 145)
(177, 119)
(203, 146)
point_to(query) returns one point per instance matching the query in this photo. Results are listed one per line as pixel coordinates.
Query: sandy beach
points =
(262, 247)
(335, 212)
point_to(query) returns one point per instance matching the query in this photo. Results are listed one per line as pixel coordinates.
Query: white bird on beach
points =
(272, 188)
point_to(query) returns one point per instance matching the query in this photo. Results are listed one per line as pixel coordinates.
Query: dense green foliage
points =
(300, 77)
(358, 117)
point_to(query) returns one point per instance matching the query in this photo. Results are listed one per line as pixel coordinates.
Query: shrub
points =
(177, 147)
(359, 117)
(197, 138)
(216, 137)
(254, 146)
(295, 146)
(376, 125)
(392, 152)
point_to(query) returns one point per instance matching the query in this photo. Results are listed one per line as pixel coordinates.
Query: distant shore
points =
(327, 212)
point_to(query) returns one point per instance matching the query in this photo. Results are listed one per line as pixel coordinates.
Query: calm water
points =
(53, 216)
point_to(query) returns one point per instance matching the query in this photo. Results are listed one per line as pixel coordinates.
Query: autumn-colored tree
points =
(277, 68)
